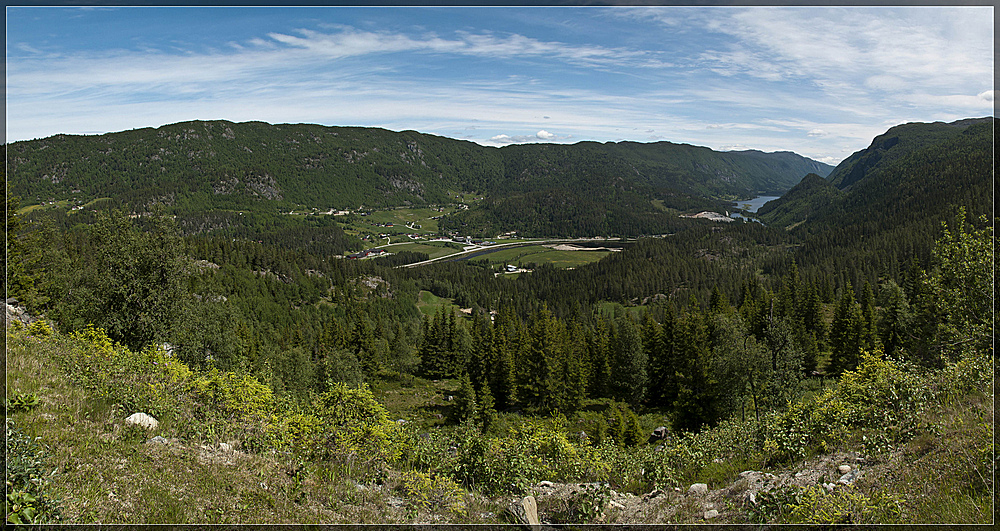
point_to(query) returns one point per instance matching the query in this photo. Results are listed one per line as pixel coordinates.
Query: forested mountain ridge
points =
(206, 165)
(811, 195)
(897, 142)
(895, 199)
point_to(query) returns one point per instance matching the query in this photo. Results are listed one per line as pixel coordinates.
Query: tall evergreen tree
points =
(628, 364)
(846, 333)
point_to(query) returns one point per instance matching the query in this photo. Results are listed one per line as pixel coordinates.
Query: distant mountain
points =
(196, 166)
(621, 188)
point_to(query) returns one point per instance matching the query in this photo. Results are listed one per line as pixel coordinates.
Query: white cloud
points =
(545, 135)
(734, 147)
(817, 132)
(985, 96)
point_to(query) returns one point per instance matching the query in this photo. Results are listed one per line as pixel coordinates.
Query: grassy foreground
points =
(228, 451)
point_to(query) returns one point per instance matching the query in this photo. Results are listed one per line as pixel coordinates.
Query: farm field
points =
(540, 254)
(433, 249)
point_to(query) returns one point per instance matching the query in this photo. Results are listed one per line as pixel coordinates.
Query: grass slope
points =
(921, 443)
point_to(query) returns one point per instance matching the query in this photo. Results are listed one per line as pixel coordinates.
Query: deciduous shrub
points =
(28, 499)
(430, 492)
(356, 425)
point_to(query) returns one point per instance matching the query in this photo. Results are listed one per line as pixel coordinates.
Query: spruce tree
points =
(846, 334)
(629, 363)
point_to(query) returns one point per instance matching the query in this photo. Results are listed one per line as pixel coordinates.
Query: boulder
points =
(143, 420)
(848, 478)
(525, 513)
(698, 489)
(843, 469)
(712, 513)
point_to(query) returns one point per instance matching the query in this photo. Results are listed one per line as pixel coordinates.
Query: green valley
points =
(334, 325)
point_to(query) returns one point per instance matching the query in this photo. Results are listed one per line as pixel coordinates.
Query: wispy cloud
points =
(821, 82)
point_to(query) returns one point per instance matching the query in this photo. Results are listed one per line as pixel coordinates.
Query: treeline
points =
(698, 364)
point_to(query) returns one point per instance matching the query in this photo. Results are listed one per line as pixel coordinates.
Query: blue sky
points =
(821, 82)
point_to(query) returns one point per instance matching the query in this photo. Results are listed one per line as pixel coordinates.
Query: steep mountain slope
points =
(813, 194)
(896, 143)
(888, 200)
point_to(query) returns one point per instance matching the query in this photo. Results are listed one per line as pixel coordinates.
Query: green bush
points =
(147, 381)
(428, 492)
(28, 498)
(21, 402)
(585, 505)
(844, 505)
(357, 425)
(40, 328)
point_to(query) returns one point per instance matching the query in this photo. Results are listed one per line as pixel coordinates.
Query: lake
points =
(751, 205)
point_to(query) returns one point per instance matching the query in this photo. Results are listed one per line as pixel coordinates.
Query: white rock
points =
(698, 489)
(225, 447)
(616, 505)
(711, 514)
(843, 469)
(142, 419)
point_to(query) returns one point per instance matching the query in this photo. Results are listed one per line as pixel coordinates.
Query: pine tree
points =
(869, 336)
(663, 363)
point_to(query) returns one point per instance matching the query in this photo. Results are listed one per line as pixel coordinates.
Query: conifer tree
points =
(663, 363)
(629, 363)
(895, 317)
(600, 365)
(846, 333)
(869, 339)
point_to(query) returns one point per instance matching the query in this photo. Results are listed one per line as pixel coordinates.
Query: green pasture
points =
(608, 309)
(429, 303)
(539, 254)
(433, 249)
(399, 217)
